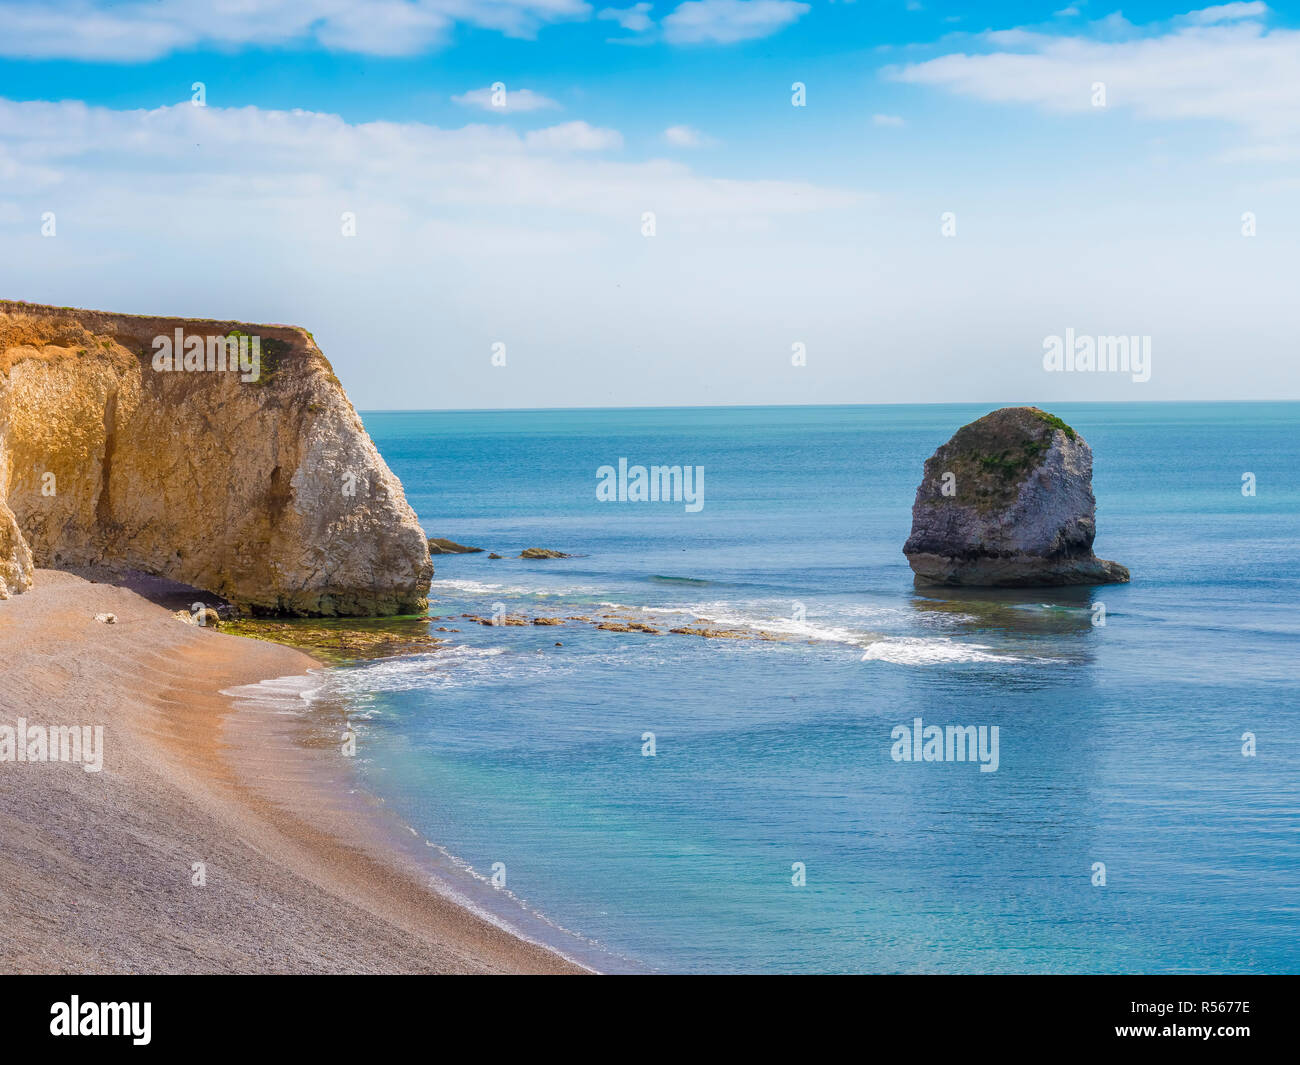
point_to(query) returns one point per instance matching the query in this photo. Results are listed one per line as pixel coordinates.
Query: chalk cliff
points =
(256, 482)
(1008, 502)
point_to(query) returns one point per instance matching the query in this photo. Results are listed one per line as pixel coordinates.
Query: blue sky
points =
(775, 225)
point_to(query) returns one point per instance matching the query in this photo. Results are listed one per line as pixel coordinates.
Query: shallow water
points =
(1118, 743)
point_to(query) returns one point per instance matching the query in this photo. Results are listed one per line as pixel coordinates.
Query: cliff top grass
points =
(273, 354)
(34, 325)
(991, 457)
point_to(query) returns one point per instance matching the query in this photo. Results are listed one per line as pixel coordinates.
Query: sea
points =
(669, 802)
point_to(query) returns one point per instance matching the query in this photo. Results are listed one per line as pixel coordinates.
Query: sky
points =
(674, 203)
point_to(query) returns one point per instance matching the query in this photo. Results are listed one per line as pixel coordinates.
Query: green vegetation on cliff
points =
(990, 458)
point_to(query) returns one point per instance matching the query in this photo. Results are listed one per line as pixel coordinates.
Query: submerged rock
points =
(339, 640)
(1008, 502)
(629, 626)
(541, 552)
(138, 443)
(713, 634)
(441, 546)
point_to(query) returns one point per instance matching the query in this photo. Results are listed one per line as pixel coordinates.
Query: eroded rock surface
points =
(268, 492)
(1008, 502)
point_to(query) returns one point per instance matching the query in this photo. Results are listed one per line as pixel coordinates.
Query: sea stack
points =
(221, 454)
(1008, 502)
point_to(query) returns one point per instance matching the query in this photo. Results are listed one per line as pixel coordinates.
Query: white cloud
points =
(729, 21)
(635, 18)
(252, 155)
(687, 137)
(144, 30)
(887, 120)
(1208, 65)
(511, 100)
(141, 31)
(465, 236)
(573, 137)
(1208, 16)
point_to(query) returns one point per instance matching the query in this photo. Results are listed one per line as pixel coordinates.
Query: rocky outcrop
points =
(439, 545)
(16, 563)
(1008, 502)
(256, 481)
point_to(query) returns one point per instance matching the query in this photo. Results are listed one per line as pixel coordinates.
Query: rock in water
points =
(1008, 502)
(259, 485)
(439, 545)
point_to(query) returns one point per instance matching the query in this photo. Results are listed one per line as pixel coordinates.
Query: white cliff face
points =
(268, 492)
(16, 563)
(1008, 502)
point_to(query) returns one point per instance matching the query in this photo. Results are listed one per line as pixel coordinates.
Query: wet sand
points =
(97, 869)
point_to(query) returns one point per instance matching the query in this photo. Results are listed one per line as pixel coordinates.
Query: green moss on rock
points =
(1055, 422)
(272, 353)
(990, 458)
(343, 640)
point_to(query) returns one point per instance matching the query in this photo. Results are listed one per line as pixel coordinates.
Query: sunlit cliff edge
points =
(261, 487)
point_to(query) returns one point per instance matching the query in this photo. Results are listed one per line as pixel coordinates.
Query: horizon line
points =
(797, 406)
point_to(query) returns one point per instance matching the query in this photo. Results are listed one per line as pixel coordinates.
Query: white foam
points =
(288, 695)
(446, 667)
(488, 588)
(444, 887)
(473, 667)
(768, 617)
(930, 651)
(855, 624)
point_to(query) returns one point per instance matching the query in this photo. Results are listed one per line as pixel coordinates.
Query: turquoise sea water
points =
(1119, 744)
